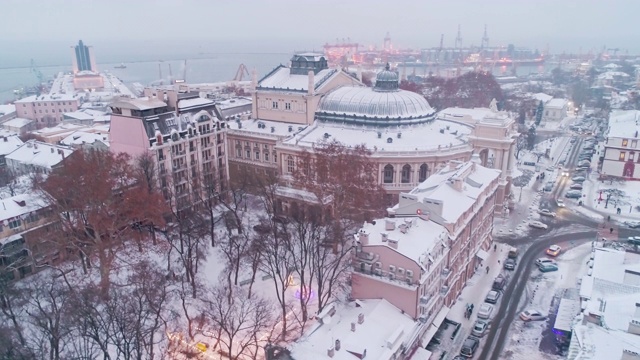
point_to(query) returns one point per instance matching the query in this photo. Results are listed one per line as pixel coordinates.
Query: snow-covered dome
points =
(367, 106)
(386, 80)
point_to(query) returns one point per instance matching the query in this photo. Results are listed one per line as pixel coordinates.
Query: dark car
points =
(510, 264)
(573, 194)
(469, 347)
(499, 282)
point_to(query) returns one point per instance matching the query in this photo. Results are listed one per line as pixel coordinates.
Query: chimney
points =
(52, 151)
(637, 313)
(359, 72)
(403, 228)
(634, 327)
(363, 236)
(457, 183)
(353, 327)
(311, 82)
(337, 347)
(393, 243)
(6, 139)
(389, 225)
(330, 352)
(360, 318)
(384, 236)
(629, 355)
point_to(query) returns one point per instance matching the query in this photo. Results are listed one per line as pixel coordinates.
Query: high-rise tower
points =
(83, 59)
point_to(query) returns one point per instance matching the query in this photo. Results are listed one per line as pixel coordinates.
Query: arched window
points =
(290, 164)
(406, 174)
(388, 174)
(424, 172)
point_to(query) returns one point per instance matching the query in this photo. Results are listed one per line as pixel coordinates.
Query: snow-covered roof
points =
(418, 240)
(441, 188)
(48, 97)
(78, 115)
(17, 122)
(282, 79)
(139, 103)
(612, 66)
(442, 136)
(365, 101)
(58, 129)
(610, 75)
(542, 97)
(595, 342)
(9, 143)
(233, 102)
(20, 205)
(82, 137)
(63, 85)
(265, 128)
(473, 114)
(193, 102)
(567, 311)
(556, 103)
(384, 331)
(7, 109)
(39, 154)
(624, 123)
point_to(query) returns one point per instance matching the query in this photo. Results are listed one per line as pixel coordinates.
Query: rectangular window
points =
(625, 142)
(248, 154)
(634, 143)
(257, 154)
(287, 106)
(631, 155)
(266, 156)
(14, 224)
(274, 105)
(622, 155)
(275, 157)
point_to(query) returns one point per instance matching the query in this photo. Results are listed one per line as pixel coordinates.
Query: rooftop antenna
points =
(485, 38)
(458, 38)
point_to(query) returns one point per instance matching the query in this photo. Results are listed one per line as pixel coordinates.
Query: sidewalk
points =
(474, 293)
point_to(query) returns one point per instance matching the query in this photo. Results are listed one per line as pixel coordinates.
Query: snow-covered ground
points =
(543, 293)
(625, 195)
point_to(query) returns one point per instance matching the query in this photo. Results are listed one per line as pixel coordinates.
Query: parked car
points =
(485, 311)
(632, 224)
(492, 297)
(573, 140)
(554, 250)
(479, 328)
(509, 264)
(576, 186)
(532, 315)
(469, 346)
(560, 203)
(578, 179)
(542, 261)
(548, 267)
(499, 282)
(584, 163)
(529, 163)
(546, 212)
(565, 172)
(538, 225)
(573, 194)
(548, 186)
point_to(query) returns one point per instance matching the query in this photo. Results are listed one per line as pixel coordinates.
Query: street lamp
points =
(607, 203)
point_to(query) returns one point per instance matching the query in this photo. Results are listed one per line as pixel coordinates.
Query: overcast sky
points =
(284, 25)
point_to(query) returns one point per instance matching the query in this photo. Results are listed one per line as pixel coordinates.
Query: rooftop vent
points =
(273, 129)
(389, 140)
(290, 128)
(441, 131)
(399, 135)
(379, 135)
(327, 135)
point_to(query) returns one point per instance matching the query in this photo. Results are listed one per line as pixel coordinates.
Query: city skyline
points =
(283, 25)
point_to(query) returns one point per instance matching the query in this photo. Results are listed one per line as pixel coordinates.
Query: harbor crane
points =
(37, 72)
(240, 73)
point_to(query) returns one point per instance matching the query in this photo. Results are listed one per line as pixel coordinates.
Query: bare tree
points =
(102, 208)
(240, 324)
(12, 340)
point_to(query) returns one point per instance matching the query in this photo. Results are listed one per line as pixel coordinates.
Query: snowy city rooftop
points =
(282, 79)
(414, 237)
(624, 123)
(455, 202)
(39, 154)
(380, 334)
(265, 127)
(435, 136)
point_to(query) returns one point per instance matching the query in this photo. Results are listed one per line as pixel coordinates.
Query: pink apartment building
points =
(46, 110)
(420, 257)
(188, 145)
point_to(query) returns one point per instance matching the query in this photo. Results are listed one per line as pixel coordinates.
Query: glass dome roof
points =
(386, 80)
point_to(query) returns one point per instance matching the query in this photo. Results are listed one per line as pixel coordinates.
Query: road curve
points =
(508, 309)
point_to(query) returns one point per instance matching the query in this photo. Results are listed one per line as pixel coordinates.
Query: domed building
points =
(407, 137)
